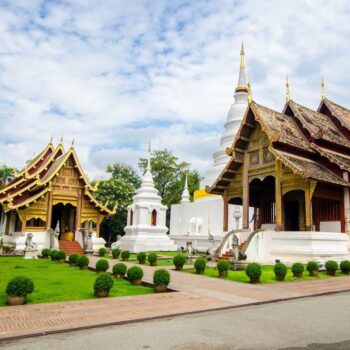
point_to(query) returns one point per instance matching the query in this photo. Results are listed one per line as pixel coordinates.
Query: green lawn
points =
(268, 276)
(54, 281)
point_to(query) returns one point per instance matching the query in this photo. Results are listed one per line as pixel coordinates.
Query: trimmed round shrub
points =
(45, 253)
(60, 255)
(53, 254)
(298, 269)
(331, 267)
(312, 266)
(73, 258)
(119, 269)
(223, 265)
(104, 281)
(179, 260)
(152, 258)
(83, 261)
(141, 257)
(20, 286)
(102, 265)
(116, 253)
(102, 251)
(200, 265)
(161, 277)
(125, 255)
(253, 271)
(345, 267)
(280, 269)
(134, 273)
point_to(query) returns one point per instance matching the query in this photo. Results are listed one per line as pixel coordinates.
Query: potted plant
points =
(60, 256)
(331, 267)
(200, 264)
(115, 253)
(179, 261)
(312, 267)
(161, 280)
(280, 271)
(102, 265)
(253, 271)
(73, 258)
(119, 270)
(103, 284)
(125, 255)
(298, 269)
(135, 275)
(152, 259)
(53, 254)
(102, 251)
(223, 266)
(83, 262)
(17, 290)
(345, 267)
(45, 253)
(141, 257)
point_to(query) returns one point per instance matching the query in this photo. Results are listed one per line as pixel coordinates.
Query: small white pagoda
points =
(146, 229)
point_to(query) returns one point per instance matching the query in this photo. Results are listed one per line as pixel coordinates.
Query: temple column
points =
(49, 209)
(225, 227)
(346, 204)
(307, 207)
(278, 195)
(7, 224)
(78, 210)
(245, 184)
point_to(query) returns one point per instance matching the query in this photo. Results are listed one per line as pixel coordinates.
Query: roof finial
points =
(323, 96)
(287, 90)
(72, 142)
(249, 93)
(242, 56)
(51, 139)
(61, 141)
(149, 146)
(185, 198)
(149, 157)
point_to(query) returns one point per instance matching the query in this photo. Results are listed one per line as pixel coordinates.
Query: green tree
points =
(6, 174)
(120, 188)
(169, 176)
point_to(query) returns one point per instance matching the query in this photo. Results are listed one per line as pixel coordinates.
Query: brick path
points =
(196, 293)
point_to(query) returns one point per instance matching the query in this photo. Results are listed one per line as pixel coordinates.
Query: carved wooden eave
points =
(100, 206)
(12, 206)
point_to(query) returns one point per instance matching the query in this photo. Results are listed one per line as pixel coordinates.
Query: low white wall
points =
(267, 246)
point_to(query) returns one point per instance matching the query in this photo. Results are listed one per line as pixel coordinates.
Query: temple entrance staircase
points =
(228, 254)
(71, 247)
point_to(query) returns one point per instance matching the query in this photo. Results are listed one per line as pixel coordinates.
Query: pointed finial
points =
(72, 142)
(323, 96)
(249, 93)
(287, 90)
(185, 198)
(242, 55)
(51, 139)
(149, 146)
(61, 140)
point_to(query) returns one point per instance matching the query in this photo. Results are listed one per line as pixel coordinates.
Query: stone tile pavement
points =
(195, 294)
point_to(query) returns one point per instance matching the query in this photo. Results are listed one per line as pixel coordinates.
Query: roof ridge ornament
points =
(242, 85)
(250, 100)
(287, 89)
(323, 93)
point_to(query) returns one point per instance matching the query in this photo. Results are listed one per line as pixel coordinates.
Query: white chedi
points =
(146, 229)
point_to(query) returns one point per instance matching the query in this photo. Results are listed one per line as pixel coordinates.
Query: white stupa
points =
(146, 229)
(203, 218)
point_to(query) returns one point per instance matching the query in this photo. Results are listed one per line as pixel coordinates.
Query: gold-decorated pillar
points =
(49, 208)
(225, 227)
(308, 224)
(278, 195)
(245, 184)
(78, 210)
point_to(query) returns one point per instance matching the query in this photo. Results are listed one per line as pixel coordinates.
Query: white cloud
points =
(113, 74)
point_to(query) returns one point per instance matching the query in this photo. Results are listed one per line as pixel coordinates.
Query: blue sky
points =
(114, 74)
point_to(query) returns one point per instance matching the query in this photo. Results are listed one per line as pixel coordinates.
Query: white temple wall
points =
(303, 246)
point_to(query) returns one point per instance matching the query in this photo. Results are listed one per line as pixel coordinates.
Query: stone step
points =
(70, 247)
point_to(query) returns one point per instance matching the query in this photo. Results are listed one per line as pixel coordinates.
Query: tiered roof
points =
(313, 144)
(34, 180)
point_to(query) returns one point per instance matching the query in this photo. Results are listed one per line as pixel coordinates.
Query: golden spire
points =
(287, 90)
(242, 56)
(249, 93)
(323, 95)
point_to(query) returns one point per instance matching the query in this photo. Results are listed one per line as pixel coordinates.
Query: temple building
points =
(52, 191)
(202, 218)
(293, 168)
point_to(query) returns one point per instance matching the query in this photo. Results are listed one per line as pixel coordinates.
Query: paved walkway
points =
(195, 294)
